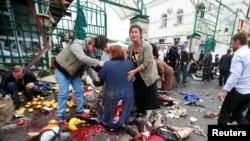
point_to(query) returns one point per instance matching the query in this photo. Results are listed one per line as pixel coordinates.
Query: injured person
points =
(159, 130)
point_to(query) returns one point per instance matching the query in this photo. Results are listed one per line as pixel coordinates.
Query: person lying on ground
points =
(165, 132)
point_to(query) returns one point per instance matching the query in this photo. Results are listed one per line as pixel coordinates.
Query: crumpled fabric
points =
(178, 111)
(189, 96)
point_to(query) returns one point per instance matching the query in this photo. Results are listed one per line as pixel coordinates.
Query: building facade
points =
(172, 20)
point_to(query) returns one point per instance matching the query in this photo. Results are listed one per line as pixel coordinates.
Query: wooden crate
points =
(7, 109)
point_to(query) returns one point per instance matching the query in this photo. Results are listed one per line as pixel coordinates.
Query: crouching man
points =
(17, 80)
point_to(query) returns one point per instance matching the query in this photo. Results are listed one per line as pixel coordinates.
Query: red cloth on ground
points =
(155, 138)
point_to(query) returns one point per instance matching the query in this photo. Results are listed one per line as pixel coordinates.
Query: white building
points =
(169, 20)
(172, 20)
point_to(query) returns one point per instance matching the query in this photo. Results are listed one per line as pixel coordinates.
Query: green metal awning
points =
(126, 8)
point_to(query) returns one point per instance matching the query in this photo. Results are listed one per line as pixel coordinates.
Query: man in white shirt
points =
(161, 53)
(212, 66)
(237, 88)
(186, 46)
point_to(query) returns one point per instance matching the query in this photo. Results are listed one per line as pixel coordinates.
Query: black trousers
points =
(234, 104)
(223, 77)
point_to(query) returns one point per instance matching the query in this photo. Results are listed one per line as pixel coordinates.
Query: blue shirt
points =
(239, 71)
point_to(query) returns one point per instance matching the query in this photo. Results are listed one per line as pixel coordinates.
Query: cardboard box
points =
(7, 110)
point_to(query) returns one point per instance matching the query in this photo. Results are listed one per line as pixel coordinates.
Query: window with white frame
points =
(164, 19)
(180, 16)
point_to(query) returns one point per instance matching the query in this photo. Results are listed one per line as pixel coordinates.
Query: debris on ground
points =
(198, 130)
(177, 111)
(211, 114)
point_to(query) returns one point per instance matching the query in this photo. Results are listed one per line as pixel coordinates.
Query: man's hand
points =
(7, 97)
(101, 63)
(221, 94)
(29, 86)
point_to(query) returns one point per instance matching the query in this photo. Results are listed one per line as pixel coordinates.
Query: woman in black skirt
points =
(145, 73)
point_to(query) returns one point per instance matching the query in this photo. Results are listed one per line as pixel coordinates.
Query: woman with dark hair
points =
(145, 73)
(117, 110)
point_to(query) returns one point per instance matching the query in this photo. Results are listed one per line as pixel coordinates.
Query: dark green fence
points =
(20, 38)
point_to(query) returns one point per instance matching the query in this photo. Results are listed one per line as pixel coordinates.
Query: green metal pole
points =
(79, 20)
(194, 30)
(216, 22)
(237, 12)
(141, 7)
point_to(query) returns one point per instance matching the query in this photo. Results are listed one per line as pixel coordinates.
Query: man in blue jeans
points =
(17, 80)
(182, 67)
(69, 66)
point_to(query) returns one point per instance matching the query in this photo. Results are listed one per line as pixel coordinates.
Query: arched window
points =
(180, 16)
(164, 19)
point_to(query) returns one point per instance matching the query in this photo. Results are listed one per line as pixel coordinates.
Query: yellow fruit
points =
(53, 121)
(27, 105)
(38, 106)
(47, 104)
(35, 99)
(20, 93)
(67, 110)
(41, 98)
(30, 110)
(54, 106)
(34, 102)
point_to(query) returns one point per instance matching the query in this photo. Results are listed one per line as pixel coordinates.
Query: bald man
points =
(17, 80)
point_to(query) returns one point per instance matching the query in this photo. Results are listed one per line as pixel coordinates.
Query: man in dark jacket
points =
(182, 67)
(17, 80)
(207, 65)
(224, 67)
(173, 56)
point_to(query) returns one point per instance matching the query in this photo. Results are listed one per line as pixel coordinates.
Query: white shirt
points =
(239, 77)
(213, 57)
(161, 54)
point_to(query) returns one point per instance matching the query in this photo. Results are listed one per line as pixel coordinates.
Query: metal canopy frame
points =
(127, 8)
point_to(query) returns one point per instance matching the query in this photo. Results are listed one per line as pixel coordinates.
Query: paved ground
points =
(206, 92)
